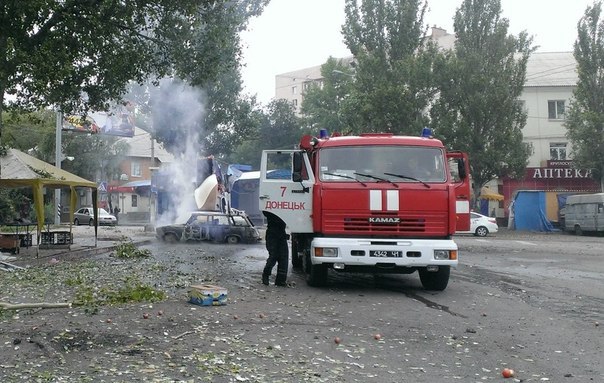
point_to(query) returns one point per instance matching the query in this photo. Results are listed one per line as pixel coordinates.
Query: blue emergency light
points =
(426, 132)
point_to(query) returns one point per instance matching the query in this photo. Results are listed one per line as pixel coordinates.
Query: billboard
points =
(118, 121)
(80, 124)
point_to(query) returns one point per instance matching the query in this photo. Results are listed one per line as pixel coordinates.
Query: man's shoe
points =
(282, 284)
(265, 280)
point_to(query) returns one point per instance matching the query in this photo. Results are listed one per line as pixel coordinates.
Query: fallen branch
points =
(183, 334)
(9, 266)
(41, 305)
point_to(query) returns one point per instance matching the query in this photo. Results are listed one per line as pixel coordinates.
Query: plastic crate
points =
(207, 295)
(56, 238)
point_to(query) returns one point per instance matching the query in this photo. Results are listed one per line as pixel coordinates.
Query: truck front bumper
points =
(343, 253)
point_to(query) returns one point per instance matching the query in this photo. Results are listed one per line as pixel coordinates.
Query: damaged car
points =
(211, 226)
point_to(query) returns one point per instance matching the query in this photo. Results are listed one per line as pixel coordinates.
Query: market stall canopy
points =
(18, 170)
(486, 193)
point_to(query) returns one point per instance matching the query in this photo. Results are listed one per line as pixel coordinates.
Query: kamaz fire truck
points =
(376, 203)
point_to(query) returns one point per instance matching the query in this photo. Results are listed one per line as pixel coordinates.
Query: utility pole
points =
(58, 155)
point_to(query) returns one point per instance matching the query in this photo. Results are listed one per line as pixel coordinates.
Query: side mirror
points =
(461, 169)
(297, 163)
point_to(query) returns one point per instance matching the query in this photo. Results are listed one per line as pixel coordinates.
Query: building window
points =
(295, 89)
(557, 151)
(134, 200)
(555, 110)
(295, 102)
(135, 169)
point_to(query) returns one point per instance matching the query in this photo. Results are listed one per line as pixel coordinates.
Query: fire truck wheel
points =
(296, 259)
(316, 275)
(435, 280)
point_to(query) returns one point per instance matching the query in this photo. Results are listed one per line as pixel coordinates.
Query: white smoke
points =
(184, 106)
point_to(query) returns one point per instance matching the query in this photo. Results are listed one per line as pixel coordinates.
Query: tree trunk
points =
(1, 122)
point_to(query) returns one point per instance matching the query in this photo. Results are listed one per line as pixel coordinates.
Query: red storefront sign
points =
(558, 176)
(120, 189)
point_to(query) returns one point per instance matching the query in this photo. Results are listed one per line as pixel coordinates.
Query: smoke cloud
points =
(178, 111)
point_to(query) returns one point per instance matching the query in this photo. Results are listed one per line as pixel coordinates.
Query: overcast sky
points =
(295, 34)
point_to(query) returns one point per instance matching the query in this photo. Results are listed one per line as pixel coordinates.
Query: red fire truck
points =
(375, 203)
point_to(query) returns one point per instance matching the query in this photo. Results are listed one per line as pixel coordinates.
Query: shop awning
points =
(128, 187)
(136, 184)
(488, 194)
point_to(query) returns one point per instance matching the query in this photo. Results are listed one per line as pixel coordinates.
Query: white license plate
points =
(386, 253)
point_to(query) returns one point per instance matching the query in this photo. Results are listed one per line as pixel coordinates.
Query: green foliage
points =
(93, 154)
(324, 105)
(131, 291)
(8, 209)
(585, 117)
(277, 127)
(394, 80)
(478, 110)
(82, 55)
(127, 249)
(31, 130)
(14, 203)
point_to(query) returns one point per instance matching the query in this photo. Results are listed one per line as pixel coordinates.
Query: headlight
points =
(445, 254)
(326, 251)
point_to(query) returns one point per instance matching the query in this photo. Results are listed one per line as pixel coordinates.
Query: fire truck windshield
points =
(382, 163)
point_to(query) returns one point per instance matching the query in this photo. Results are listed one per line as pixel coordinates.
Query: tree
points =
(79, 55)
(393, 84)
(324, 104)
(277, 127)
(478, 110)
(31, 132)
(585, 117)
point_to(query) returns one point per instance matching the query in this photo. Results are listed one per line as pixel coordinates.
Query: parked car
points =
(85, 216)
(481, 225)
(211, 226)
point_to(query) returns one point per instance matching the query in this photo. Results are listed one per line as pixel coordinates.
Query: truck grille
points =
(401, 224)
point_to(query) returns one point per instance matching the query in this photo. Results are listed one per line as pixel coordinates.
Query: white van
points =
(584, 213)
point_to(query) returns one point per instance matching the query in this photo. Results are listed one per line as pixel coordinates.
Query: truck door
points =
(459, 167)
(278, 192)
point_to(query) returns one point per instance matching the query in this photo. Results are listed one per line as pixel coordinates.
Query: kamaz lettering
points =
(384, 220)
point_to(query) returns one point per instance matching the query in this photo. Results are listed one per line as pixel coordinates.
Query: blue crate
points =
(207, 295)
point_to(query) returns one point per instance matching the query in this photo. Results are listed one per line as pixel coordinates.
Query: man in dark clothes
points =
(278, 251)
(116, 212)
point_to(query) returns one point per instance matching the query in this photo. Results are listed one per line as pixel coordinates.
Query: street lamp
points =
(335, 71)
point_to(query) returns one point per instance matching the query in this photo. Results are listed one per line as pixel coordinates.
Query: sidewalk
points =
(83, 243)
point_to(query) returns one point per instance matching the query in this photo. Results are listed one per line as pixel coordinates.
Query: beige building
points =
(550, 81)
